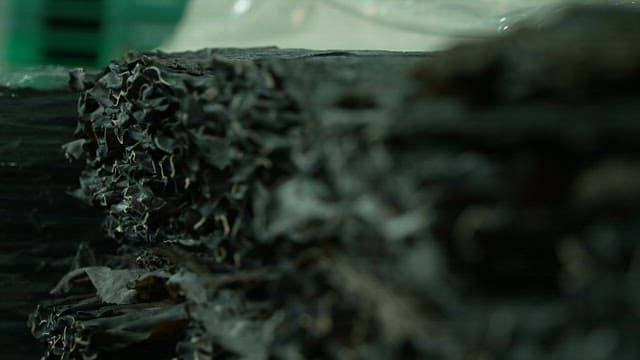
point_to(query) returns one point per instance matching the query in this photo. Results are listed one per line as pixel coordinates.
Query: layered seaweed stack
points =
(267, 203)
(40, 225)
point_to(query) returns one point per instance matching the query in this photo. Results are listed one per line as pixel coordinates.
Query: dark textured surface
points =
(527, 145)
(574, 56)
(283, 204)
(40, 226)
(188, 153)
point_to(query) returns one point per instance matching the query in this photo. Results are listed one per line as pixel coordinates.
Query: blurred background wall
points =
(350, 24)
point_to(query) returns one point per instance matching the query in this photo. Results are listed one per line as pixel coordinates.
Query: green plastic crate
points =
(86, 32)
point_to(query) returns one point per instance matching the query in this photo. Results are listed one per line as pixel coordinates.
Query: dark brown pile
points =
(270, 203)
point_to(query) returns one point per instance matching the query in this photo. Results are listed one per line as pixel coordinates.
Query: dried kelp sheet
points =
(40, 225)
(292, 204)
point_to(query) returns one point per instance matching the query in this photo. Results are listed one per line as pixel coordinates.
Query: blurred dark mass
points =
(479, 203)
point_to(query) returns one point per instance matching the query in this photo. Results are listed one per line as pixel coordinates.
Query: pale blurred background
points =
(346, 24)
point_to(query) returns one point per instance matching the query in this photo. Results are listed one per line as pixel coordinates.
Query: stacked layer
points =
(292, 204)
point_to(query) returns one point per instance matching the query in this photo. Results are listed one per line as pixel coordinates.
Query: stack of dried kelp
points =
(40, 226)
(290, 204)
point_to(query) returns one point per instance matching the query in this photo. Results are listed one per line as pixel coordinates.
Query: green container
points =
(85, 32)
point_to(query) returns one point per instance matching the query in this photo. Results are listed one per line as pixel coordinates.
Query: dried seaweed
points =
(582, 53)
(304, 204)
(40, 226)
